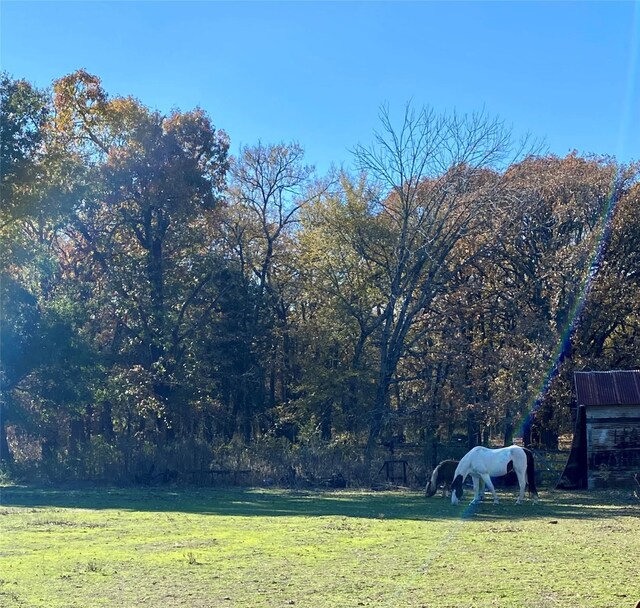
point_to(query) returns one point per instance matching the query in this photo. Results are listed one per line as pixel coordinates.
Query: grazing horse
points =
(483, 463)
(442, 475)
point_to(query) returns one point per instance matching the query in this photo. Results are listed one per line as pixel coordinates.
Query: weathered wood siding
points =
(613, 444)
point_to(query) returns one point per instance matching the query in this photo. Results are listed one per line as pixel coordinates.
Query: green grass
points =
(259, 548)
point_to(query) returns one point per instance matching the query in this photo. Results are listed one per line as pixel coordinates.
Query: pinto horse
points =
(442, 476)
(483, 463)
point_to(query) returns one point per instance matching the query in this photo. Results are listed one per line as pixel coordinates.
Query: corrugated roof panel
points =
(608, 388)
(628, 387)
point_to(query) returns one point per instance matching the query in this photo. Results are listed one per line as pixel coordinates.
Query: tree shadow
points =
(253, 502)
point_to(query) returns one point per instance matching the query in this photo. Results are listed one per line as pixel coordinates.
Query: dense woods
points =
(168, 308)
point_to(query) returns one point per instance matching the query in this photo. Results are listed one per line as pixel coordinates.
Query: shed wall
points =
(613, 444)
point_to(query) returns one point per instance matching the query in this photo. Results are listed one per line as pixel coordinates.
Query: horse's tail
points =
(432, 484)
(531, 473)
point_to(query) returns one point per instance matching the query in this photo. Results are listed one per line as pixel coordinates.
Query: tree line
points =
(169, 308)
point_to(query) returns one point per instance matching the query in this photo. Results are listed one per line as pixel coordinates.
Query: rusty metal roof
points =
(608, 388)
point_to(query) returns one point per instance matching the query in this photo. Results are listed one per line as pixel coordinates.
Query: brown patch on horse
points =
(445, 471)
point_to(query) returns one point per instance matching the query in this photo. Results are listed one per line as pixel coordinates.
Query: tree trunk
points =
(508, 427)
(472, 430)
(379, 410)
(5, 453)
(106, 422)
(326, 422)
(76, 436)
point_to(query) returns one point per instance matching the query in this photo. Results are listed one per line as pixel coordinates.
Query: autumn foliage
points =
(168, 309)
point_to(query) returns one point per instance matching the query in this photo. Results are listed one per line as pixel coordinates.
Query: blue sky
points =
(318, 72)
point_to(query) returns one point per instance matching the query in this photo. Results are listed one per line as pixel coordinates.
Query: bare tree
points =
(270, 184)
(441, 176)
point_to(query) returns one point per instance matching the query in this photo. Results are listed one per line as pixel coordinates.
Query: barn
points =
(606, 443)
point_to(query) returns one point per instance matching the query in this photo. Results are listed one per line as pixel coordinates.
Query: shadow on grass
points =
(273, 503)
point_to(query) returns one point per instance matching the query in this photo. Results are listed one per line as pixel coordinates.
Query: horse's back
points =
(516, 454)
(495, 461)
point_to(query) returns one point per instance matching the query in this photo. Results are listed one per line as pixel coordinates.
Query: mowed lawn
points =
(256, 547)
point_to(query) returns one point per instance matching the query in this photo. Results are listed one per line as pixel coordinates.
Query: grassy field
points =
(258, 548)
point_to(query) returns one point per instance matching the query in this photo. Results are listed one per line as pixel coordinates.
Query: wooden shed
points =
(606, 444)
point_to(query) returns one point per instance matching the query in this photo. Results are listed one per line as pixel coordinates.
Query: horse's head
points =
(430, 490)
(456, 489)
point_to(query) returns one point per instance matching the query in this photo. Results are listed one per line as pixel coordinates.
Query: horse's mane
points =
(434, 477)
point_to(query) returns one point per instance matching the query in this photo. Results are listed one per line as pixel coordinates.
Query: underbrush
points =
(269, 461)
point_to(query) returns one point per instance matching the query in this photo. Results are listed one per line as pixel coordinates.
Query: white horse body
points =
(483, 463)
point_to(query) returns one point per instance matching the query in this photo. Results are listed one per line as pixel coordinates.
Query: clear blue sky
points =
(318, 72)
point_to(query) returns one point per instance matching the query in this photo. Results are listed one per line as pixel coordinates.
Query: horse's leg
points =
(522, 482)
(476, 489)
(487, 480)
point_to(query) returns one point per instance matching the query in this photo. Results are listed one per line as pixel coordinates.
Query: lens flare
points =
(564, 344)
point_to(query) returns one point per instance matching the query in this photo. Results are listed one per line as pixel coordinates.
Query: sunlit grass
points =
(253, 548)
